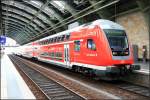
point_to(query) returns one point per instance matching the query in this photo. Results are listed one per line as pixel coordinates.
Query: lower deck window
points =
(90, 44)
(77, 45)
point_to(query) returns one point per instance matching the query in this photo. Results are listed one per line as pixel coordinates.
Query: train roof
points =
(62, 33)
(104, 24)
(107, 24)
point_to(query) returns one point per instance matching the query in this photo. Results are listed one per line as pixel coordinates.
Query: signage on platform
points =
(2, 40)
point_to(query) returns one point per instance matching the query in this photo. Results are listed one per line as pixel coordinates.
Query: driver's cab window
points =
(91, 44)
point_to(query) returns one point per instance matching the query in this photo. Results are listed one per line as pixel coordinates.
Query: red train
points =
(98, 48)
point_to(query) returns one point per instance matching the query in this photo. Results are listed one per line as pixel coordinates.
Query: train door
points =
(66, 55)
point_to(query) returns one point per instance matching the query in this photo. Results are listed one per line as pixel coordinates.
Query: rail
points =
(50, 88)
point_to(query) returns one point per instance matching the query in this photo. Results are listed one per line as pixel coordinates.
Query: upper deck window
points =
(63, 38)
(55, 39)
(58, 39)
(67, 36)
(49, 40)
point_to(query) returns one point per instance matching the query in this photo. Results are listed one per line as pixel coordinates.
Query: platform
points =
(12, 84)
(144, 68)
(140, 77)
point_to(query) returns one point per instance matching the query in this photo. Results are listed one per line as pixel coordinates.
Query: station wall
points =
(136, 28)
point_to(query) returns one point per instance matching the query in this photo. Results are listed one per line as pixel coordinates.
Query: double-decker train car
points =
(98, 48)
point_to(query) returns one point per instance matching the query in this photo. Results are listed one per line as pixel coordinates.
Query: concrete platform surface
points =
(12, 84)
(144, 68)
(144, 65)
(140, 77)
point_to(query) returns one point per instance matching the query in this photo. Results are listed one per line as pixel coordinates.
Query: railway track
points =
(127, 89)
(136, 89)
(141, 90)
(50, 88)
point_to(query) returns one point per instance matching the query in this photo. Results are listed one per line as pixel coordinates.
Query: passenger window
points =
(67, 36)
(52, 54)
(77, 46)
(48, 41)
(90, 44)
(63, 37)
(51, 41)
(55, 39)
(58, 39)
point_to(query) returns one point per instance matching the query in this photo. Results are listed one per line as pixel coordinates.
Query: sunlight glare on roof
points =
(59, 3)
(36, 2)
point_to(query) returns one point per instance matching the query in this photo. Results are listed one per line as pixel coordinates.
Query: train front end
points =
(120, 59)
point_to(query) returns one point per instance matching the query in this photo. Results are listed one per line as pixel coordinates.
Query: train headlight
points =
(126, 52)
(114, 53)
(128, 66)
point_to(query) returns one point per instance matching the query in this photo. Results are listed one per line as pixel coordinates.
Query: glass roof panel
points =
(18, 12)
(43, 18)
(58, 4)
(21, 6)
(35, 3)
(39, 23)
(49, 11)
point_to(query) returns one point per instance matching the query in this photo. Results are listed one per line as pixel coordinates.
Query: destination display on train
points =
(114, 32)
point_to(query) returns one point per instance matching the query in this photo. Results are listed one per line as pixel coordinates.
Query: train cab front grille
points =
(120, 52)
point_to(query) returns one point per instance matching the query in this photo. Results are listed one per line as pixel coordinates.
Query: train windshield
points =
(116, 38)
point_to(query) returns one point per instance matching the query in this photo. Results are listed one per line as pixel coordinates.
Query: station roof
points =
(29, 20)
